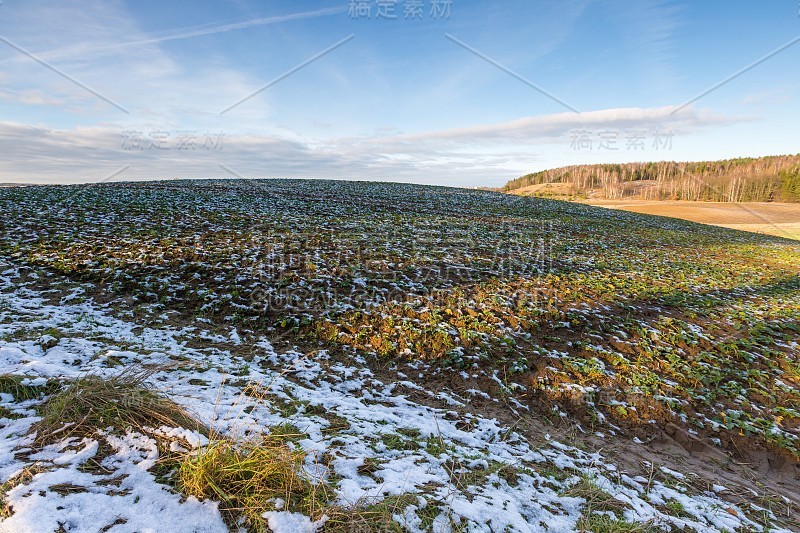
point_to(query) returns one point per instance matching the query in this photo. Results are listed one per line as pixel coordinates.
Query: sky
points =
(449, 92)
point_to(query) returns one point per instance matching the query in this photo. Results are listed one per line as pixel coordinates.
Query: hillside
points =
(295, 355)
(765, 179)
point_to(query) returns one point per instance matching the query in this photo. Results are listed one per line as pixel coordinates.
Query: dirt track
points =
(780, 219)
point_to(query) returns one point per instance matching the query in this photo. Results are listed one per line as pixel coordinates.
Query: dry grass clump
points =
(122, 402)
(251, 478)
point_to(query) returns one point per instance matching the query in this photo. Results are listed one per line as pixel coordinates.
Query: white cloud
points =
(466, 156)
(534, 129)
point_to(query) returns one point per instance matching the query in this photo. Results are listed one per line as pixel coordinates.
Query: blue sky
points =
(426, 99)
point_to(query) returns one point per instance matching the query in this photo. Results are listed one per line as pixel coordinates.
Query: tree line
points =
(762, 179)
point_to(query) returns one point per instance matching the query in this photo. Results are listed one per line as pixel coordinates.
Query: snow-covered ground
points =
(473, 470)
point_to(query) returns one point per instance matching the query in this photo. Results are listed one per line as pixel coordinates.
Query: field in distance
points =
(771, 218)
(760, 195)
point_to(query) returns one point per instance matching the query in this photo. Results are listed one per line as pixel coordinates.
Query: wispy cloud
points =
(184, 33)
(649, 28)
(773, 97)
(30, 97)
(534, 129)
(159, 90)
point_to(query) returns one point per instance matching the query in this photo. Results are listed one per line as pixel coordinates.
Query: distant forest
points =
(763, 179)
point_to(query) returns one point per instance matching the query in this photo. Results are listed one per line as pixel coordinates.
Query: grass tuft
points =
(121, 403)
(596, 498)
(11, 384)
(248, 479)
(602, 510)
(376, 517)
(603, 523)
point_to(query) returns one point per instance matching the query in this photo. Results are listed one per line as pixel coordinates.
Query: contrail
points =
(188, 33)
